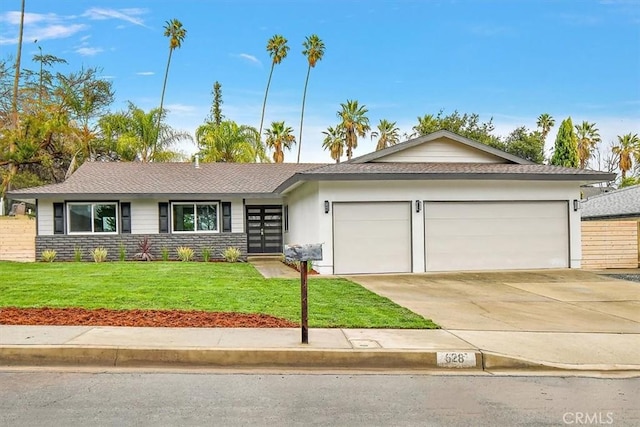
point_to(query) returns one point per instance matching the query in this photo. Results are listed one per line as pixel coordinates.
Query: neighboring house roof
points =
(168, 179)
(436, 135)
(413, 171)
(624, 202)
(589, 191)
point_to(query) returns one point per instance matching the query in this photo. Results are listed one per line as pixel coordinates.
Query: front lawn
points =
(197, 286)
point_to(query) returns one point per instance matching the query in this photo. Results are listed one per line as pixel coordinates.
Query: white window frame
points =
(93, 205)
(195, 217)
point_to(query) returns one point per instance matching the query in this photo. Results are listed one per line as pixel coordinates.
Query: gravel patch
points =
(630, 277)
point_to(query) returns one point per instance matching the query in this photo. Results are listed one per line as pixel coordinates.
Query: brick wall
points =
(64, 245)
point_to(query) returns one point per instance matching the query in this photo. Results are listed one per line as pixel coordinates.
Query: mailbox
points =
(308, 252)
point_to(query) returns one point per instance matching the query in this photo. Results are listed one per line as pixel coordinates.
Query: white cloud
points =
(145, 73)
(127, 15)
(181, 108)
(49, 32)
(249, 58)
(88, 51)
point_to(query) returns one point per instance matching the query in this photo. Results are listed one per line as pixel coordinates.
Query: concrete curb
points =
(41, 355)
(298, 358)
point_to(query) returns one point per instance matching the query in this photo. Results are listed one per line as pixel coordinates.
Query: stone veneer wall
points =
(64, 245)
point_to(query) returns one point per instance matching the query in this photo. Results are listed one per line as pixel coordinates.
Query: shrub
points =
(122, 252)
(144, 250)
(231, 254)
(49, 255)
(164, 253)
(99, 254)
(206, 254)
(185, 253)
(77, 254)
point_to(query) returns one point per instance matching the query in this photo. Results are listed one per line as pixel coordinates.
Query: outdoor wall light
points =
(576, 205)
(326, 206)
(418, 205)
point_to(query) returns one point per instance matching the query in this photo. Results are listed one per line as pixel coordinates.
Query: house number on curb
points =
(456, 359)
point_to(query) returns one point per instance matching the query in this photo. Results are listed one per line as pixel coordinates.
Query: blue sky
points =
(510, 60)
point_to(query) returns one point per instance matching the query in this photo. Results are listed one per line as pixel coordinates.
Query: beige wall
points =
(17, 238)
(610, 244)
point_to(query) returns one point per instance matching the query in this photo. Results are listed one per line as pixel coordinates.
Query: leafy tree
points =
(334, 142)
(216, 107)
(314, 51)
(176, 33)
(545, 123)
(57, 114)
(629, 181)
(525, 144)
(565, 151)
(230, 143)
(388, 134)
(278, 49)
(355, 123)
(628, 147)
(133, 136)
(467, 125)
(588, 137)
(279, 138)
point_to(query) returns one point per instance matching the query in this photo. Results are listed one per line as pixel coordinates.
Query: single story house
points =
(439, 202)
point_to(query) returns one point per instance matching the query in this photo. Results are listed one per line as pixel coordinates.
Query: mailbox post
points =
(303, 254)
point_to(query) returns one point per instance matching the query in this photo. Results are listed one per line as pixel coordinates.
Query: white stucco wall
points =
(454, 190)
(305, 209)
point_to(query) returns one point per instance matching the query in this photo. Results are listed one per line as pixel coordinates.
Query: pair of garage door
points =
(377, 237)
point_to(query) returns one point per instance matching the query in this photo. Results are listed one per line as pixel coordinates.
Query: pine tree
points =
(216, 107)
(565, 150)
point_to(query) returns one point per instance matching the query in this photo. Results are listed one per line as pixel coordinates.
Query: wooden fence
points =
(17, 238)
(610, 244)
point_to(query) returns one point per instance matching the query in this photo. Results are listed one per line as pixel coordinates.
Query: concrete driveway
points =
(534, 301)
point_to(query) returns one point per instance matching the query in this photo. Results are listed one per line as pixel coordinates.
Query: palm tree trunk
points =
(304, 97)
(164, 86)
(13, 168)
(264, 103)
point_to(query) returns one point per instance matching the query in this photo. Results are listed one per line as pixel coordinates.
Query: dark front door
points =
(264, 229)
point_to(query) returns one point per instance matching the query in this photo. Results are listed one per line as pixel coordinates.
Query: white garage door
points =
(372, 237)
(496, 235)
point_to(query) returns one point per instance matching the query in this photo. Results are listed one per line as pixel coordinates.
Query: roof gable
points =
(440, 147)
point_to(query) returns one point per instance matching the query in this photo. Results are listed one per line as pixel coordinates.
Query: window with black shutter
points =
(226, 217)
(125, 217)
(58, 218)
(164, 217)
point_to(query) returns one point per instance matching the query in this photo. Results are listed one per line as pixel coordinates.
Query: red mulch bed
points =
(151, 318)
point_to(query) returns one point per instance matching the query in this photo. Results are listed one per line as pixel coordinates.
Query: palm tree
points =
(588, 136)
(278, 49)
(229, 142)
(545, 123)
(334, 142)
(134, 136)
(627, 148)
(355, 124)
(388, 134)
(314, 50)
(172, 29)
(279, 137)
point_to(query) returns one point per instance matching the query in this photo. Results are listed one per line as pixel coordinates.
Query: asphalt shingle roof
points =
(134, 178)
(618, 203)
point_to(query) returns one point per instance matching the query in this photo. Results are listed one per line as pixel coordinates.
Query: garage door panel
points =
(496, 235)
(372, 237)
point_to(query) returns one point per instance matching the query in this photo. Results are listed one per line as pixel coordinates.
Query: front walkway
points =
(272, 267)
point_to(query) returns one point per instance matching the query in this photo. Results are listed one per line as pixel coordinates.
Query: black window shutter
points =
(58, 218)
(125, 218)
(226, 217)
(164, 217)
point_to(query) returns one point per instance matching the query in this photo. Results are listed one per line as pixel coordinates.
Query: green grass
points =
(198, 286)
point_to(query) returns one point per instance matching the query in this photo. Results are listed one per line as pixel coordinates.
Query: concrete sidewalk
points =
(365, 349)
